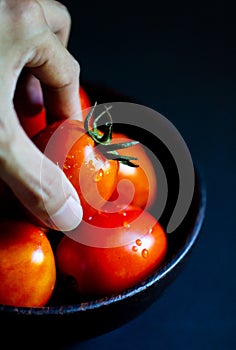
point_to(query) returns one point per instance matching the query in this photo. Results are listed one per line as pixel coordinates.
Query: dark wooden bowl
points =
(69, 322)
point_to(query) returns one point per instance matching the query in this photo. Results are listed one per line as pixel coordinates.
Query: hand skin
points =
(36, 68)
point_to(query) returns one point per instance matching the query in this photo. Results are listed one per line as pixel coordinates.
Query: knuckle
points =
(71, 74)
(23, 13)
(66, 14)
(22, 10)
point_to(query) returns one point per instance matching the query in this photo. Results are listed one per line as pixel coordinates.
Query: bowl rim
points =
(157, 276)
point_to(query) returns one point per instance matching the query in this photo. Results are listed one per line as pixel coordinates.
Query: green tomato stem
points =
(104, 139)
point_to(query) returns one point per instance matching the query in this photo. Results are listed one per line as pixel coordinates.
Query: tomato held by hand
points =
(75, 150)
(27, 264)
(142, 178)
(115, 252)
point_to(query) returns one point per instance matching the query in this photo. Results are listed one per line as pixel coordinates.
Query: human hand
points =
(36, 68)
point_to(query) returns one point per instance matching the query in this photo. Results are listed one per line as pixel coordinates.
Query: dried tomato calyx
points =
(103, 139)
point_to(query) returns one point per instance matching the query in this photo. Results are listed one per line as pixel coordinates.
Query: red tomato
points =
(27, 264)
(33, 124)
(91, 173)
(143, 177)
(84, 99)
(115, 252)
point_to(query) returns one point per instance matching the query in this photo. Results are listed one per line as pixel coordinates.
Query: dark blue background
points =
(179, 60)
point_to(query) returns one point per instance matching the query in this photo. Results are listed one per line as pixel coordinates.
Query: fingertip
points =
(68, 216)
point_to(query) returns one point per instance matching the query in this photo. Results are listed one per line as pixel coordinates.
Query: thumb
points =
(40, 185)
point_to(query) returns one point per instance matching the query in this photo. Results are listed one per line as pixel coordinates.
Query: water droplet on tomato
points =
(150, 230)
(70, 156)
(135, 248)
(138, 242)
(145, 253)
(91, 165)
(99, 175)
(66, 166)
(126, 225)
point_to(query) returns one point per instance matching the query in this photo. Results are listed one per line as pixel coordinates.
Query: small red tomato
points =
(142, 178)
(27, 264)
(114, 252)
(75, 151)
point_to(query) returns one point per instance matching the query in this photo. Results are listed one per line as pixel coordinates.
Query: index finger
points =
(54, 66)
(58, 72)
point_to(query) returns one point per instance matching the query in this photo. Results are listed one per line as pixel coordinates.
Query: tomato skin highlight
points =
(142, 178)
(102, 271)
(93, 176)
(27, 264)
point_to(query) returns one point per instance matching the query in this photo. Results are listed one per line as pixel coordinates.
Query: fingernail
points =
(69, 216)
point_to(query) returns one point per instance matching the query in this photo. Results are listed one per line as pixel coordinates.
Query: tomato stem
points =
(103, 140)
